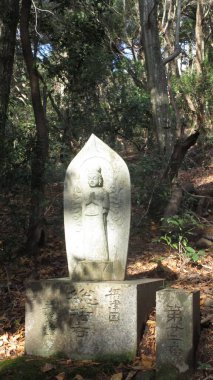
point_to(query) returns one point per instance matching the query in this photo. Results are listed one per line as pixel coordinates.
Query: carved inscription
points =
(82, 307)
(174, 319)
(113, 297)
(50, 308)
(77, 313)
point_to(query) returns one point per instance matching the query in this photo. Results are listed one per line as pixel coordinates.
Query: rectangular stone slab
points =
(177, 328)
(87, 320)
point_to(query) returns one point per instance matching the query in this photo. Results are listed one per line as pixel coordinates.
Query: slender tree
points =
(156, 75)
(9, 14)
(36, 222)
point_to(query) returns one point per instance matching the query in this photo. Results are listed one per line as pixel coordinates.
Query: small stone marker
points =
(177, 328)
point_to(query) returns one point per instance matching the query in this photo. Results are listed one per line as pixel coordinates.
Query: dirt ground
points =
(148, 257)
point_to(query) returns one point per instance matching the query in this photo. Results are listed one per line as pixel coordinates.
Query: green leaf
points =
(190, 250)
(175, 245)
(201, 252)
(185, 242)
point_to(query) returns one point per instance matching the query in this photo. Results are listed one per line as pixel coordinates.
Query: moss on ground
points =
(21, 368)
(27, 368)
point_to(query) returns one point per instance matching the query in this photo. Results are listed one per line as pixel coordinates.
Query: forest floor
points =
(148, 257)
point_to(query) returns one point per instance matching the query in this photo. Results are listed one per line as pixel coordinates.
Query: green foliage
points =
(199, 88)
(94, 89)
(180, 228)
(20, 130)
(151, 191)
(78, 42)
(204, 366)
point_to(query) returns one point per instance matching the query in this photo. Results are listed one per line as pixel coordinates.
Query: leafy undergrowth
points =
(147, 258)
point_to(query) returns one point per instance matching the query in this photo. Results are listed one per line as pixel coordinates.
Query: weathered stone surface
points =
(97, 213)
(177, 328)
(87, 320)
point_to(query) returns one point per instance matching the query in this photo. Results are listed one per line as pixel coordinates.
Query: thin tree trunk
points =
(36, 222)
(177, 48)
(199, 37)
(9, 14)
(199, 63)
(156, 75)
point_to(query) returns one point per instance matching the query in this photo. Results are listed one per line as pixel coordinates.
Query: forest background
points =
(139, 75)
(128, 71)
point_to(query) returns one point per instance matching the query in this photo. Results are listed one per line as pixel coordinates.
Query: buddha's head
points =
(95, 178)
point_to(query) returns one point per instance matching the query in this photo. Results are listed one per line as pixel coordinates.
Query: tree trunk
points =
(174, 203)
(156, 74)
(180, 149)
(199, 37)
(36, 222)
(9, 13)
(199, 58)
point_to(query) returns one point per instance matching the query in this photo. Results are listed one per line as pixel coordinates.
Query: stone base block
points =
(87, 320)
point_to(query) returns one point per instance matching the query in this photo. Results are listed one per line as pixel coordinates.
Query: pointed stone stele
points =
(97, 213)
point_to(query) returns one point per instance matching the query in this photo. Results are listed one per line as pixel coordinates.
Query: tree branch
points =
(177, 49)
(180, 149)
(172, 56)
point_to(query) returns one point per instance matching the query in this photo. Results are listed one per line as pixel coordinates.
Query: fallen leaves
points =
(78, 377)
(148, 362)
(60, 376)
(117, 376)
(131, 375)
(67, 362)
(12, 344)
(47, 367)
(207, 320)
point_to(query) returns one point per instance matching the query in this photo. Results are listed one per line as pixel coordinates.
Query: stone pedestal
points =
(87, 320)
(177, 328)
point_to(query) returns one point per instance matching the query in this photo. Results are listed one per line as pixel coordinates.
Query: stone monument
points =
(97, 213)
(95, 313)
(177, 328)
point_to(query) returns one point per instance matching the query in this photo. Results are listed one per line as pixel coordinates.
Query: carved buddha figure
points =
(95, 207)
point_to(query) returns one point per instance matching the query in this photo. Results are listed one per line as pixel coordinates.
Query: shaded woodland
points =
(138, 74)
